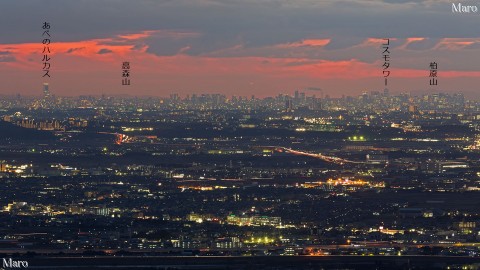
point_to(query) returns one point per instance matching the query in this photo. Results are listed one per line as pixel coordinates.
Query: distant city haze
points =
(237, 47)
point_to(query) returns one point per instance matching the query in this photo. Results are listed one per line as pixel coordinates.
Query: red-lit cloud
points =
(306, 42)
(95, 64)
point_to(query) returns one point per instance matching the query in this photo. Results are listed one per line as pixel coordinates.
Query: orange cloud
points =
(137, 36)
(377, 41)
(81, 61)
(456, 43)
(32, 52)
(413, 39)
(305, 42)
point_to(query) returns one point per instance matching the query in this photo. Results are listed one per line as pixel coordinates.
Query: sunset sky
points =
(237, 47)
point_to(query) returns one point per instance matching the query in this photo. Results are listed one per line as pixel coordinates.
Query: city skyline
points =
(386, 179)
(238, 47)
(239, 134)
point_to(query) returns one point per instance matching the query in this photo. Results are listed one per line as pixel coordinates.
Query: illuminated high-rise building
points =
(46, 92)
(386, 92)
(288, 105)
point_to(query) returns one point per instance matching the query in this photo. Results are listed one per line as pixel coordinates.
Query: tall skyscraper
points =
(288, 105)
(46, 92)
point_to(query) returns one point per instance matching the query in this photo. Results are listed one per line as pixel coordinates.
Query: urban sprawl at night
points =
(379, 174)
